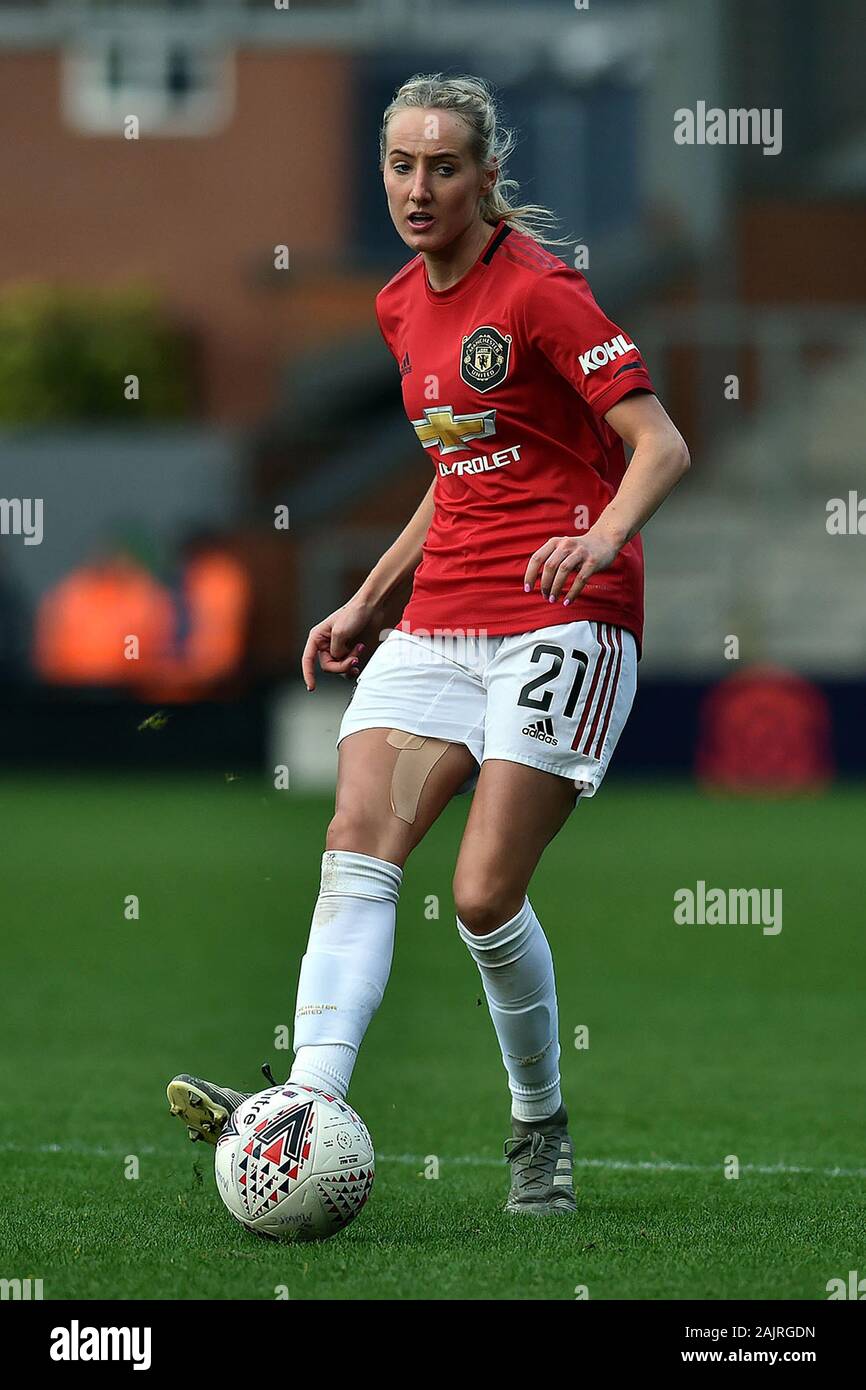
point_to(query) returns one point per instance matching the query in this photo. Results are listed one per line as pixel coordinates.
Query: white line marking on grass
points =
(614, 1165)
(626, 1165)
(86, 1150)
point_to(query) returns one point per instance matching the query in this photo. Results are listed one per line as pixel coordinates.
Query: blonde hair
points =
(472, 99)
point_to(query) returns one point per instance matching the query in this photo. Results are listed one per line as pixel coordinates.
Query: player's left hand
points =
(565, 563)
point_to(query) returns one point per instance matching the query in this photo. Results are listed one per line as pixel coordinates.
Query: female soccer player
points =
(513, 668)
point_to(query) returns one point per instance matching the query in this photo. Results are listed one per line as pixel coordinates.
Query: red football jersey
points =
(506, 378)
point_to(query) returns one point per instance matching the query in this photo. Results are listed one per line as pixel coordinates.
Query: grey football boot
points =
(542, 1166)
(204, 1107)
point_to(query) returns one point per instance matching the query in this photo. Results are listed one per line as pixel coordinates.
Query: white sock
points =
(346, 966)
(516, 969)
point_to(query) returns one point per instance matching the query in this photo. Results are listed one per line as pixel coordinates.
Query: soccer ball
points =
(294, 1163)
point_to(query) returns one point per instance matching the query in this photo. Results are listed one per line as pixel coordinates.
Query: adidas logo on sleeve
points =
(542, 729)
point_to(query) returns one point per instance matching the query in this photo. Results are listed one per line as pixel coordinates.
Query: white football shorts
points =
(555, 699)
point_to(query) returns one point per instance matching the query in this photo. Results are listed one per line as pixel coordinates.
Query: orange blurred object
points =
(84, 624)
(218, 594)
(111, 623)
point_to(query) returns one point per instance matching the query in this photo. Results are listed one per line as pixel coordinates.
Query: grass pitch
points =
(704, 1042)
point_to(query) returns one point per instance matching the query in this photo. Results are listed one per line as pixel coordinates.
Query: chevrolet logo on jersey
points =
(441, 428)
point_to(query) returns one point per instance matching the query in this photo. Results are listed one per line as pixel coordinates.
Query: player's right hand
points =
(334, 642)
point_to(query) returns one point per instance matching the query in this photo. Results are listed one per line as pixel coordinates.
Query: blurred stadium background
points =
(160, 257)
(226, 499)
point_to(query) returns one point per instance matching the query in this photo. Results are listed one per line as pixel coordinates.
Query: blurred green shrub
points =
(65, 354)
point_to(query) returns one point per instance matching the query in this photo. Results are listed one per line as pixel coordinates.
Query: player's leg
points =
(384, 807)
(388, 796)
(516, 812)
(580, 678)
(410, 738)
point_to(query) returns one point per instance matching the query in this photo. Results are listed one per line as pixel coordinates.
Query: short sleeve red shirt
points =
(506, 378)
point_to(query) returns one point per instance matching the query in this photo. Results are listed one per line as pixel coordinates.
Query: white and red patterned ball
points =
(294, 1163)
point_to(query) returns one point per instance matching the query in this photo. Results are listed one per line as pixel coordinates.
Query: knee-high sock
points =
(346, 966)
(516, 969)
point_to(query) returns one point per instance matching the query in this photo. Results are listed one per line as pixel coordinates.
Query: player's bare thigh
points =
(516, 811)
(363, 819)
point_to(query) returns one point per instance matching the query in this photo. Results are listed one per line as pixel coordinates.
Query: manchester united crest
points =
(484, 358)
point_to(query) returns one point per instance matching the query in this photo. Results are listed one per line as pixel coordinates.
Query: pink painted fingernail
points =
(526, 588)
(553, 598)
(566, 602)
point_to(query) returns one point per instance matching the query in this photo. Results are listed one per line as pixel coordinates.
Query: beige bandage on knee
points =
(412, 766)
